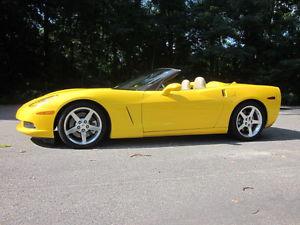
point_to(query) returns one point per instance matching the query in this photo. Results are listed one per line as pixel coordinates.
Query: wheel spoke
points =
(72, 130)
(75, 117)
(252, 112)
(255, 122)
(83, 137)
(94, 128)
(241, 127)
(89, 115)
(243, 115)
(250, 131)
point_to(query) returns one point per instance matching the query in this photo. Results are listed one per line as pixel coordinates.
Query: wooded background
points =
(47, 45)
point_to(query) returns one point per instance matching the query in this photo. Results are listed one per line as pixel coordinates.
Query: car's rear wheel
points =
(247, 121)
(82, 125)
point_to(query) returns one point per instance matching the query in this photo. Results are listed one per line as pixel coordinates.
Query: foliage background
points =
(47, 45)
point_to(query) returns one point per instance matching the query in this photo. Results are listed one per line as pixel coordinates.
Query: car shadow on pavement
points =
(270, 134)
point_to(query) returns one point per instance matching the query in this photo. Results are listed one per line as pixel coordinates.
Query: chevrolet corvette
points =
(151, 105)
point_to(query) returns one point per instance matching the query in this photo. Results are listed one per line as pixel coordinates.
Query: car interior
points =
(198, 83)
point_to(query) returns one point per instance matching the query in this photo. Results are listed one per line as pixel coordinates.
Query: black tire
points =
(242, 134)
(68, 140)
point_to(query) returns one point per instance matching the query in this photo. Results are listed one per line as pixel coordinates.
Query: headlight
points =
(42, 101)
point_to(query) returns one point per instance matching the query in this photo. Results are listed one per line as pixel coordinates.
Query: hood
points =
(75, 91)
(66, 91)
(69, 93)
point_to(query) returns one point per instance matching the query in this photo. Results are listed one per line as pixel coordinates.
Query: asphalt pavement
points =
(190, 180)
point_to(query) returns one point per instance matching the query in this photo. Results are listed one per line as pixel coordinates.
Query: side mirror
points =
(171, 87)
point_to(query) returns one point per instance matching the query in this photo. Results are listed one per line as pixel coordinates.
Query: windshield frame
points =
(156, 78)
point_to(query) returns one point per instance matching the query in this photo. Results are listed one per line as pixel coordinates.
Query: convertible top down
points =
(151, 105)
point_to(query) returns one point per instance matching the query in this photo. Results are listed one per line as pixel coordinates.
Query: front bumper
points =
(43, 124)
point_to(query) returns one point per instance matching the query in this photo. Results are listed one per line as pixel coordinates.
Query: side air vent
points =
(129, 115)
(224, 93)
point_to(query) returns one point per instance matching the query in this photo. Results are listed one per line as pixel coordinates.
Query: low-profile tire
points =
(247, 121)
(82, 125)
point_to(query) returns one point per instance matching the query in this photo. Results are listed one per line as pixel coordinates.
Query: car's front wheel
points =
(247, 121)
(82, 125)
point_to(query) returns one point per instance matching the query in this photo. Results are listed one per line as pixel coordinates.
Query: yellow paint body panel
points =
(150, 113)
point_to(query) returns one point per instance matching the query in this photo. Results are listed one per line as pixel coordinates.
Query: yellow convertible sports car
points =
(151, 105)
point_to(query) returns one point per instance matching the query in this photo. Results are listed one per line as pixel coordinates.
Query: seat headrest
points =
(185, 85)
(199, 83)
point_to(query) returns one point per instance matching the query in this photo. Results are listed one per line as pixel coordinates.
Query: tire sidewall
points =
(73, 106)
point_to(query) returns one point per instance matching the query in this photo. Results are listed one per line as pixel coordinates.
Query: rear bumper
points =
(273, 106)
(43, 124)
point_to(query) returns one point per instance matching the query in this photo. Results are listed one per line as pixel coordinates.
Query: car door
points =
(181, 110)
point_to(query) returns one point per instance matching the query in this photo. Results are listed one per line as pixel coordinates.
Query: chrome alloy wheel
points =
(249, 121)
(82, 126)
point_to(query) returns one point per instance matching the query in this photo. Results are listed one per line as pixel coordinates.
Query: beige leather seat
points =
(199, 83)
(185, 85)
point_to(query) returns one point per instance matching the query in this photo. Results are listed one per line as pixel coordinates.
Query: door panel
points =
(181, 110)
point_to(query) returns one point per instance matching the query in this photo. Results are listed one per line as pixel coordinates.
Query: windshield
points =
(149, 81)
